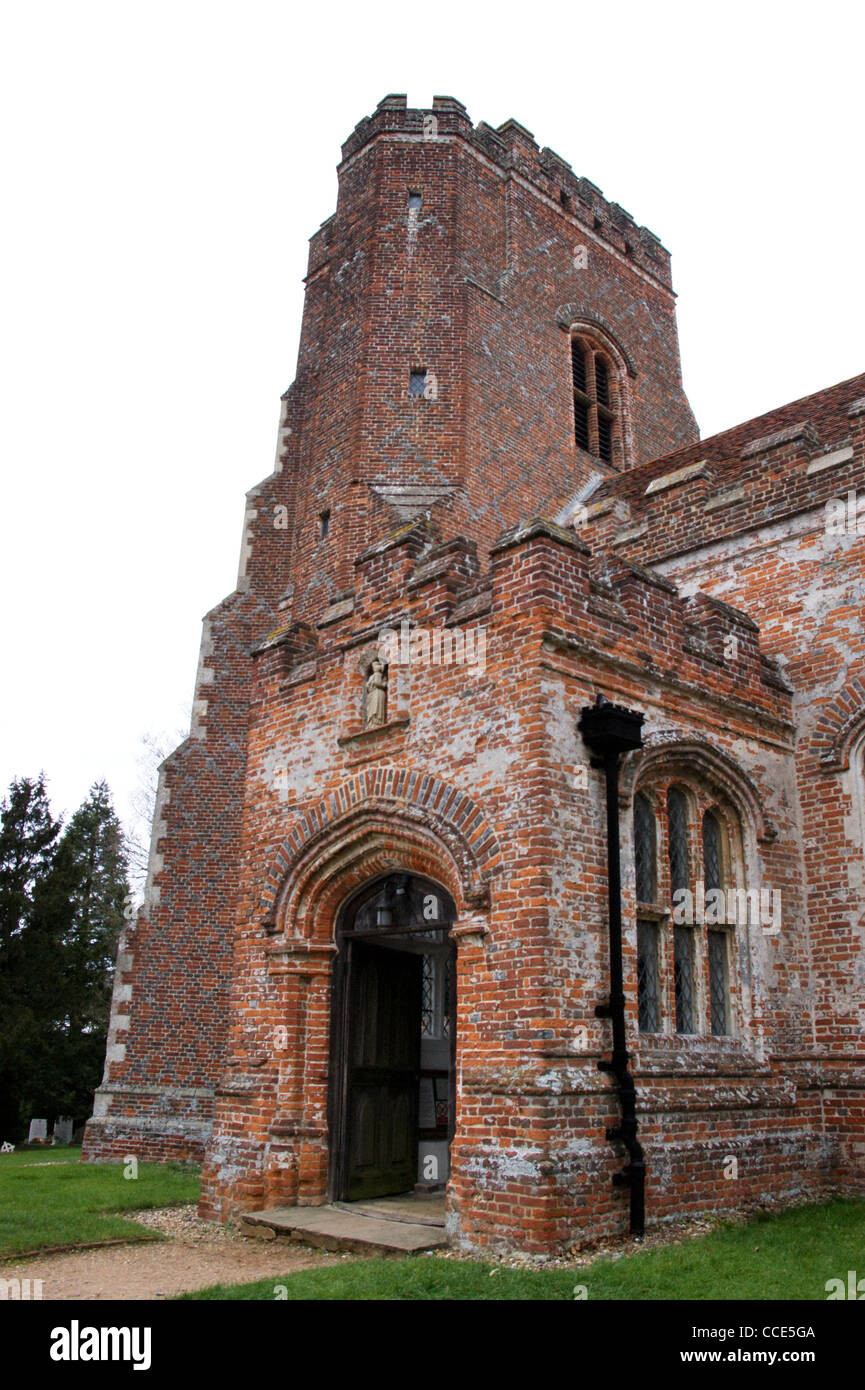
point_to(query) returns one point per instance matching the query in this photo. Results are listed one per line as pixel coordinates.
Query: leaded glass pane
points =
(718, 982)
(711, 851)
(647, 978)
(428, 998)
(684, 979)
(403, 903)
(644, 848)
(448, 997)
(442, 1107)
(677, 825)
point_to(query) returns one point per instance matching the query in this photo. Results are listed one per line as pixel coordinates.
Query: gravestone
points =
(63, 1129)
(38, 1131)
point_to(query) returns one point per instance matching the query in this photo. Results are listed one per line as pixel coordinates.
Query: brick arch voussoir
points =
(840, 726)
(427, 815)
(672, 752)
(308, 905)
(571, 317)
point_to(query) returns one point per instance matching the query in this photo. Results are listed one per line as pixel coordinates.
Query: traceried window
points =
(685, 843)
(596, 414)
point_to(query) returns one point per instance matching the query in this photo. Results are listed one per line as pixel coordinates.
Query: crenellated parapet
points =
(513, 150)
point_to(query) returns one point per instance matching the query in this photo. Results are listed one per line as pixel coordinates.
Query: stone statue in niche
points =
(375, 696)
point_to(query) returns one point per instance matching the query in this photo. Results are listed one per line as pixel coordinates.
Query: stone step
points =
(416, 1210)
(335, 1228)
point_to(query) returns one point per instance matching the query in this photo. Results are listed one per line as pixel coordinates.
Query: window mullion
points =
(591, 391)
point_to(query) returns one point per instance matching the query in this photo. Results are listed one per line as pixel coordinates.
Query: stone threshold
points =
(387, 1225)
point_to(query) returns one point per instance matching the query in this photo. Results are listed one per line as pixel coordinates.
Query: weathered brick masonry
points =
(470, 297)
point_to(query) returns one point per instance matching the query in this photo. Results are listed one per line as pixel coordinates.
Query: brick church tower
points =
(376, 946)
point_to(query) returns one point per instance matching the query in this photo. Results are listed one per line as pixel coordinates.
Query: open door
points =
(383, 1070)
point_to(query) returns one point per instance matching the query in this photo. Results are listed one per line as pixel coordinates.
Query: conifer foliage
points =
(62, 898)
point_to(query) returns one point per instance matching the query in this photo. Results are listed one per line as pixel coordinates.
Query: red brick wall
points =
(281, 804)
(473, 287)
(754, 531)
(530, 1163)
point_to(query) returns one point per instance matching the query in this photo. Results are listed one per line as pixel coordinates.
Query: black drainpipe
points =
(610, 730)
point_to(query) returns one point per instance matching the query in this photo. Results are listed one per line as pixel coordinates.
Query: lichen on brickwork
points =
(697, 582)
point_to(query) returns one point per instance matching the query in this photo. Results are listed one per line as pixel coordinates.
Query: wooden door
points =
(384, 1013)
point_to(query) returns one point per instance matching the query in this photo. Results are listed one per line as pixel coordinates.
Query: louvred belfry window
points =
(581, 400)
(595, 412)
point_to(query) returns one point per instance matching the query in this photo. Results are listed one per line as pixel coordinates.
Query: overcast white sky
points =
(163, 165)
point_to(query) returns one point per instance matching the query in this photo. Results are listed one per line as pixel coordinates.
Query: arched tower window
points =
(597, 422)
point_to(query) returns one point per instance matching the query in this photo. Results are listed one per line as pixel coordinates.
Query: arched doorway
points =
(392, 1090)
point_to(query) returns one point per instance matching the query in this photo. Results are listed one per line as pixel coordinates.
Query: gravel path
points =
(198, 1253)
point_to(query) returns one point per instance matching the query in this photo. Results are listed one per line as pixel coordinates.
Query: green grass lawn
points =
(72, 1202)
(786, 1256)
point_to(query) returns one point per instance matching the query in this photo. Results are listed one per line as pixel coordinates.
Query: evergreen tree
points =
(61, 970)
(28, 836)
